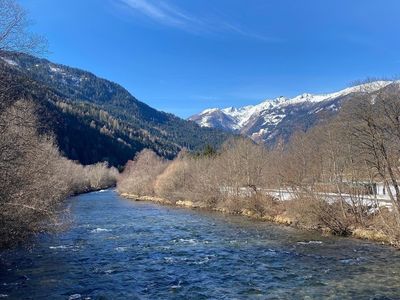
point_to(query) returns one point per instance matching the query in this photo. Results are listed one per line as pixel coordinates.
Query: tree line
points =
(331, 173)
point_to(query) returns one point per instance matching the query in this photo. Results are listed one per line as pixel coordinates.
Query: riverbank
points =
(280, 219)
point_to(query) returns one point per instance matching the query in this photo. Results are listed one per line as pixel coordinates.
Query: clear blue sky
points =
(183, 56)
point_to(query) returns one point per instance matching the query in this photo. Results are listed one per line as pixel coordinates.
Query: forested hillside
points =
(95, 119)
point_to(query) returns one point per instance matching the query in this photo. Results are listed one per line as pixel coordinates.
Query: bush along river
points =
(121, 249)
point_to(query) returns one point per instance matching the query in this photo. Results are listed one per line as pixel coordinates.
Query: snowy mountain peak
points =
(210, 110)
(262, 120)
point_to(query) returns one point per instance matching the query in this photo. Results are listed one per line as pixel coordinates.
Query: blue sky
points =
(183, 56)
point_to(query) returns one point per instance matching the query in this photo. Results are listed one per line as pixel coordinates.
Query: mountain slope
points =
(280, 117)
(95, 119)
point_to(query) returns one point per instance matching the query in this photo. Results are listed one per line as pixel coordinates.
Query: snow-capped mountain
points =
(280, 117)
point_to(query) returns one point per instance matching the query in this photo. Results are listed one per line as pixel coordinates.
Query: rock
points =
(185, 203)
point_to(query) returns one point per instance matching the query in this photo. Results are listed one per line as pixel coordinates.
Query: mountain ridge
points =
(84, 102)
(278, 118)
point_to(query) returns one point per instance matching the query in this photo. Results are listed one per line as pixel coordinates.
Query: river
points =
(120, 249)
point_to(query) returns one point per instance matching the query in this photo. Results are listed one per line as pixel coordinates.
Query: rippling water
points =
(118, 249)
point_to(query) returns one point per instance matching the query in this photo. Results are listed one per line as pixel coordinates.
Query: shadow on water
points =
(119, 249)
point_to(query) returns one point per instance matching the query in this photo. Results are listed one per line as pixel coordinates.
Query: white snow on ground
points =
(10, 61)
(205, 122)
(273, 119)
(371, 200)
(55, 69)
(66, 76)
(209, 110)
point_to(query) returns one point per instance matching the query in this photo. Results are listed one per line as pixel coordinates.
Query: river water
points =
(119, 249)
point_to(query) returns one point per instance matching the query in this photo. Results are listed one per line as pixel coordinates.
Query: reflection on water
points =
(118, 249)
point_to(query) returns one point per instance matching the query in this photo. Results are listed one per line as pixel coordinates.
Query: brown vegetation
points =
(35, 178)
(140, 174)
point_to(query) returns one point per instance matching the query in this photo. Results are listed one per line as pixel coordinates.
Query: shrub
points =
(140, 174)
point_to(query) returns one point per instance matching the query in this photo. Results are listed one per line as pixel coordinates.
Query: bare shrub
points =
(204, 184)
(173, 182)
(140, 174)
(302, 212)
(265, 205)
(31, 191)
(81, 179)
(100, 175)
(242, 164)
(35, 178)
(330, 216)
(388, 223)
(232, 205)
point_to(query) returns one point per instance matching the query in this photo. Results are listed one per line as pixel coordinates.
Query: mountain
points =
(94, 119)
(280, 117)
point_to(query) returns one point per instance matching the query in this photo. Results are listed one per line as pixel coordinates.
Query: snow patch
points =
(55, 69)
(209, 110)
(10, 61)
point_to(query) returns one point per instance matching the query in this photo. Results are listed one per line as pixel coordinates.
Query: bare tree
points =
(173, 182)
(140, 174)
(35, 178)
(14, 30)
(15, 35)
(31, 189)
(375, 128)
(242, 164)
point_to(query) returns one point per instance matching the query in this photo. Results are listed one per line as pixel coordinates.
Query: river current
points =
(120, 249)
